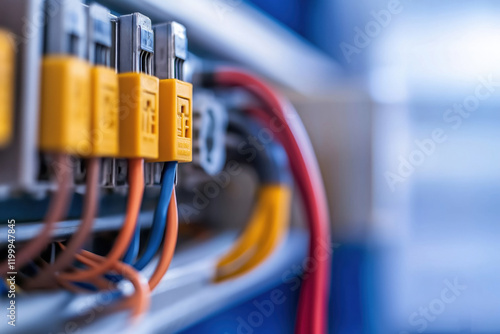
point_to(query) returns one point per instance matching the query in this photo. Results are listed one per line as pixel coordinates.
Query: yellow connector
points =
(104, 123)
(176, 120)
(6, 86)
(138, 115)
(65, 115)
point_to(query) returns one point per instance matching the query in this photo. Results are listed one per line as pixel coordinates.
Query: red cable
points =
(307, 298)
(313, 304)
(308, 315)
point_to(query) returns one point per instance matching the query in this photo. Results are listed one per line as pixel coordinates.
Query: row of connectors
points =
(113, 86)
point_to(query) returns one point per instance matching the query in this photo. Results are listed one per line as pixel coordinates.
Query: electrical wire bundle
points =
(96, 266)
(270, 218)
(280, 116)
(94, 272)
(165, 226)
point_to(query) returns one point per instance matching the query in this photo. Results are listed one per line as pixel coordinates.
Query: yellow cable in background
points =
(267, 228)
(250, 236)
(279, 222)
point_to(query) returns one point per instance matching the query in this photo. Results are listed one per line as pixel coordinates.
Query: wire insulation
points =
(171, 233)
(160, 216)
(133, 248)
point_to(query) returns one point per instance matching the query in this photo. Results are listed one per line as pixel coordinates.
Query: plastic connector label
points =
(6, 87)
(138, 114)
(104, 109)
(176, 121)
(65, 114)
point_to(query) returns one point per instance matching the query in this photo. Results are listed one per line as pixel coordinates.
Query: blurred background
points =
(405, 123)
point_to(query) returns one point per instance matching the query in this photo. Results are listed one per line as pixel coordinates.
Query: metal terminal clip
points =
(171, 50)
(100, 35)
(66, 31)
(135, 44)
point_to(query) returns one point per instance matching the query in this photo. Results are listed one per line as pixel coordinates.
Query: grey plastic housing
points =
(19, 162)
(210, 121)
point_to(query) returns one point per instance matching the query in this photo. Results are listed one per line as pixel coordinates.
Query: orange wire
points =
(136, 184)
(98, 265)
(140, 300)
(57, 210)
(169, 243)
(168, 250)
(45, 277)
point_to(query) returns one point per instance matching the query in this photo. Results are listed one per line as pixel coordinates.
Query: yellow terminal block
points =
(138, 114)
(104, 112)
(65, 116)
(176, 120)
(6, 86)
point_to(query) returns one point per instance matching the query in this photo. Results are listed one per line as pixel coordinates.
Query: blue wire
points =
(160, 216)
(133, 249)
(85, 286)
(158, 227)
